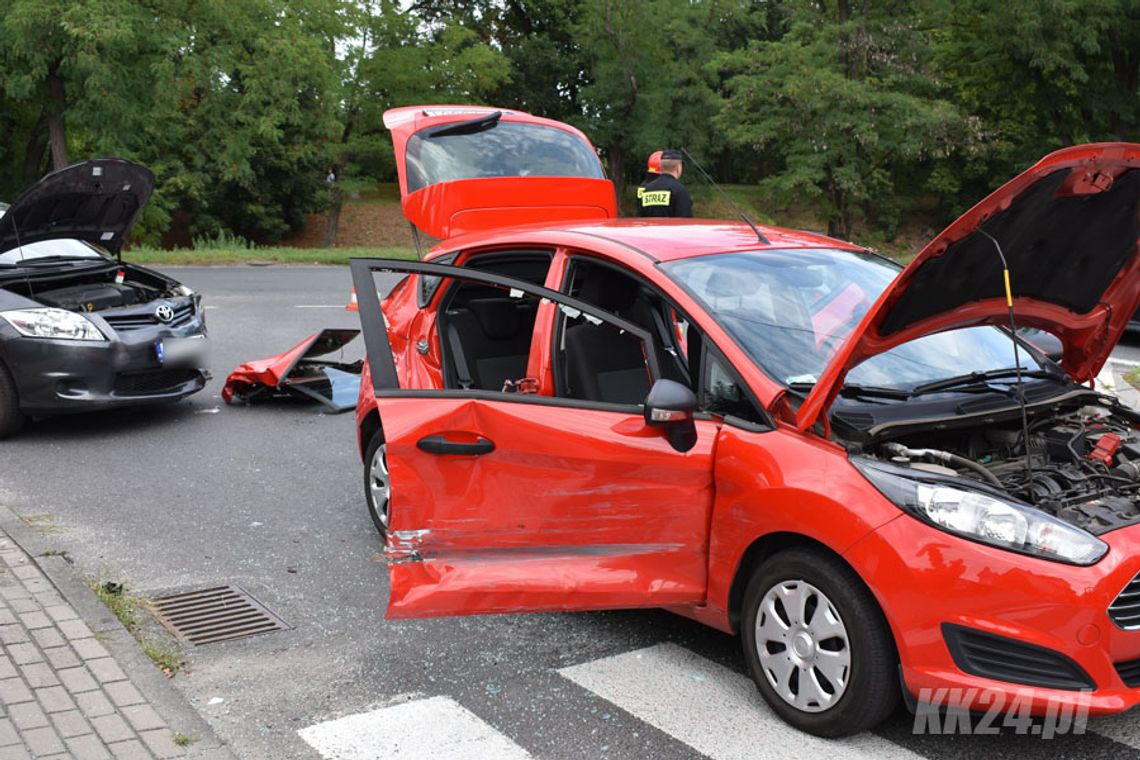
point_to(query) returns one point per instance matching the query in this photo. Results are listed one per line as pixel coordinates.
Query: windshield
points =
(509, 149)
(791, 310)
(67, 248)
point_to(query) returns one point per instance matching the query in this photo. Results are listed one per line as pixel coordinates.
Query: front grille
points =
(1003, 659)
(154, 381)
(183, 313)
(1129, 673)
(1125, 608)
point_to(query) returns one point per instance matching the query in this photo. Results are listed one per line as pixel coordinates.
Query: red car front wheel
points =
(817, 645)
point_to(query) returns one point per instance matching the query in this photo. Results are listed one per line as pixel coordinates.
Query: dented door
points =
(510, 502)
(540, 508)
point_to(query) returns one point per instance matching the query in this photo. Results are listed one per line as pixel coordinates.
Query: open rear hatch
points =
(1067, 229)
(468, 168)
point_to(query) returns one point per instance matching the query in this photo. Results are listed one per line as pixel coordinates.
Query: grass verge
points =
(131, 610)
(276, 255)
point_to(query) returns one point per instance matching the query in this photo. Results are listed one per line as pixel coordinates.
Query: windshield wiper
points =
(982, 379)
(852, 390)
(54, 259)
(470, 127)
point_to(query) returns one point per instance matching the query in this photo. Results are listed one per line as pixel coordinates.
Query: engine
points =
(1082, 465)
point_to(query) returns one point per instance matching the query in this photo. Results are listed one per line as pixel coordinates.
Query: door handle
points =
(438, 444)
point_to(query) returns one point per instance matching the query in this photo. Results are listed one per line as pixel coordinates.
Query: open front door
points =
(510, 502)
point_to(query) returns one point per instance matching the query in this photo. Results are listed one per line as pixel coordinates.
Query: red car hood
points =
(1068, 228)
(493, 185)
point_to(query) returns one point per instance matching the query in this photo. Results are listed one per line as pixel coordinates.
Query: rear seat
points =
(494, 336)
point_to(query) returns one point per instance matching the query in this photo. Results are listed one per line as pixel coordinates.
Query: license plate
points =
(181, 351)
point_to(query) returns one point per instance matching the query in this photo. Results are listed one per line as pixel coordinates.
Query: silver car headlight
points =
(59, 324)
(986, 518)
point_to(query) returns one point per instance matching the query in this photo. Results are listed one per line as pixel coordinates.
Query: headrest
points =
(498, 317)
(609, 292)
(725, 285)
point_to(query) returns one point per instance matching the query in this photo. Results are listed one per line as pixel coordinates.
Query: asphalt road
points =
(270, 498)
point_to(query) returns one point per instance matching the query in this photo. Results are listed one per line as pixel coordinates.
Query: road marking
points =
(714, 710)
(318, 306)
(438, 728)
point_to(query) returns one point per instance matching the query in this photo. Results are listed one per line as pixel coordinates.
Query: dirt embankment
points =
(362, 223)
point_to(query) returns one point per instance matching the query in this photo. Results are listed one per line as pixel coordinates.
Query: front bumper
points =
(924, 578)
(63, 376)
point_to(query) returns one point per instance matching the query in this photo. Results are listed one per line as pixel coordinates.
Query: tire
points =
(828, 624)
(11, 418)
(377, 484)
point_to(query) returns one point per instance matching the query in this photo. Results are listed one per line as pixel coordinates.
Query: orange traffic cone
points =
(353, 305)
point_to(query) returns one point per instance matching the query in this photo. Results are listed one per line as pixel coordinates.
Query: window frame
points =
(378, 349)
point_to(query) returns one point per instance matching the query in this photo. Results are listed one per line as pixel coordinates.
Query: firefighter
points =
(666, 196)
(652, 172)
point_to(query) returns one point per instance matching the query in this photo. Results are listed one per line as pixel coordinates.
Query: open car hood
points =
(1068, 228)
(298, 373)
(470, 168)
(96, 201)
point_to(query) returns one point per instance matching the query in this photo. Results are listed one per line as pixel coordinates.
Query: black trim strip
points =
(519, 398)
(379, 350)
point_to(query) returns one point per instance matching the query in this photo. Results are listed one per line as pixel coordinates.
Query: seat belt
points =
(462, 373)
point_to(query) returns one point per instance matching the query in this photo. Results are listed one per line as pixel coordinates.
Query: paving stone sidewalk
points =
(63, 693)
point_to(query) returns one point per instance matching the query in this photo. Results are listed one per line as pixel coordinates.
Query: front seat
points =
(603, 364)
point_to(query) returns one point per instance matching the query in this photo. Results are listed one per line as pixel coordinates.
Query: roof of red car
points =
(666, 239)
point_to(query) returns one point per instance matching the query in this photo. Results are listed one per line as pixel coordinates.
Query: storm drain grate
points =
(214, 614)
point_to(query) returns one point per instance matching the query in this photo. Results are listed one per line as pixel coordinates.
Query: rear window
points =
(509, 149)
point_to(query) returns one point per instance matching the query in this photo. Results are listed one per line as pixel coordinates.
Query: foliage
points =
(868, 110)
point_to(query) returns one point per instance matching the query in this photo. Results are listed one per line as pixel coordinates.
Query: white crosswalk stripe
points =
(712, 709)
(438, 728)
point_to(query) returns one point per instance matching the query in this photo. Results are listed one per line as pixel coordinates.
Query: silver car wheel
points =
(379, 483)
(803, 646)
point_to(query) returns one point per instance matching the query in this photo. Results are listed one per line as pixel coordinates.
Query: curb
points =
(163, 696)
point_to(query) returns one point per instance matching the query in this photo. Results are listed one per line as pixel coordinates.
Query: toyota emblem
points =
(164, 312)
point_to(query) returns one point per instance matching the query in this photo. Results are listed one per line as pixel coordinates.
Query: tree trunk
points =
(57, 132)
(37, 148)
(616, 155)
(334, 219)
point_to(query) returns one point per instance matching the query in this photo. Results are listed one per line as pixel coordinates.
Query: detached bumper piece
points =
(987, 655)
(299, 375)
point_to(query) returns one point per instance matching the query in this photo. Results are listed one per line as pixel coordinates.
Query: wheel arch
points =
(369, 425)
(768, 545)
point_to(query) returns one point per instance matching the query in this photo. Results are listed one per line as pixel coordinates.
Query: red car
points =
(779, 434)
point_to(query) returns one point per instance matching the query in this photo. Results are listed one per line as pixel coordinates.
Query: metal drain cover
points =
(214, 614)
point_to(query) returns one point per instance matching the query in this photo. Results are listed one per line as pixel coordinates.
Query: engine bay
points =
(108, 288)
(1081, 461)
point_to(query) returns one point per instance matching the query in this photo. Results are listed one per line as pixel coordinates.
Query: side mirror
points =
(670, 406)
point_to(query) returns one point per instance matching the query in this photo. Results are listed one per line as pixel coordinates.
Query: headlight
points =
(182, 290)
(52, 323)
(988, 519)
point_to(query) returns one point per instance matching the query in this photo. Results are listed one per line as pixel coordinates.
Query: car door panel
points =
(573, 509)
(570, 505)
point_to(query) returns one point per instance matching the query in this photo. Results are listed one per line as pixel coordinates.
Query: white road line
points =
(714, 710)
(438, 728)
(1123, 728)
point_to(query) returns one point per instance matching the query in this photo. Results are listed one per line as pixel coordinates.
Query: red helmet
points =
(655, 162)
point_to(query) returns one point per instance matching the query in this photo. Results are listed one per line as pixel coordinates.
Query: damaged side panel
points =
(600, 516)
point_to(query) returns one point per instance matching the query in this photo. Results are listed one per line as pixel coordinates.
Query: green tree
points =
(843, 104)
(72, 68)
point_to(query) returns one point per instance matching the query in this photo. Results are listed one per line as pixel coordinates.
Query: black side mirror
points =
(670, 406)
